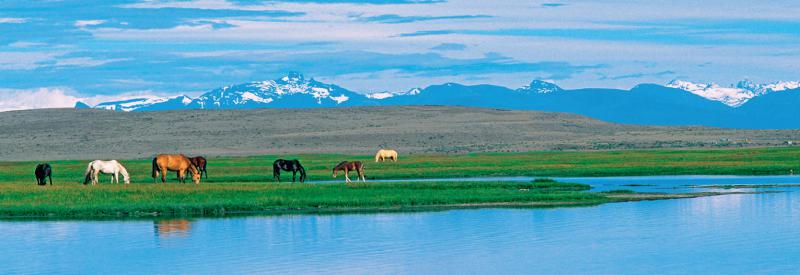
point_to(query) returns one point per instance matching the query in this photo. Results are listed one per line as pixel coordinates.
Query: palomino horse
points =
(112, 167)
(288, 165)
(180, 163)
(43, 171)
(383, 154)
(200, 163)
(348, 166)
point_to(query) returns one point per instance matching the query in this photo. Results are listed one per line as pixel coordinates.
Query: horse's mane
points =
(341, 164)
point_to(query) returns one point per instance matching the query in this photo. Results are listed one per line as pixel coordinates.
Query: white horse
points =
(112, 167)
(384, 154)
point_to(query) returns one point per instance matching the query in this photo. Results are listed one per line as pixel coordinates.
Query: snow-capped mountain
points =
(540, 87)
(290, 91)
(761, 89)
(747, 105)
(384, 95)
(141, 104)
(732, 96)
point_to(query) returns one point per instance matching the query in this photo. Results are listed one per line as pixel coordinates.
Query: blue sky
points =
(109, 49)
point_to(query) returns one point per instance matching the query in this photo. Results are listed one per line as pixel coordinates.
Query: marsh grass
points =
(218, 199)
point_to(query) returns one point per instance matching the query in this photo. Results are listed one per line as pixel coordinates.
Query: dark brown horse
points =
(200, 162)
(288, 165)
(43, 171)
(348, 166)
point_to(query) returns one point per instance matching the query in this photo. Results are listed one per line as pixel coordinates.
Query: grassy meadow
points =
(757, 161)
(244, 184)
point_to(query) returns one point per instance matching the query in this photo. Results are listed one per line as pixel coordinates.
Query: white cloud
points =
(24, 60)
(58, 97)
(48, 97)
(25, 44)
(12, 20)
(86, 61)
(84, 23)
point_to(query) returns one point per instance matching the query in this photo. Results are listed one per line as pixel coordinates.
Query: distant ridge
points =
(747, 105)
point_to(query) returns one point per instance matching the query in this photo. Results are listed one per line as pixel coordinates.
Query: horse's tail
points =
(87, 176)
(88, 169)
(155, 169)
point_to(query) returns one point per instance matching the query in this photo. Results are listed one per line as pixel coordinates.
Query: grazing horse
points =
(384, 154)
(180, 163)
(112, 167)
(288, 165)
(348, 166)
(43, 170)
(200, 162)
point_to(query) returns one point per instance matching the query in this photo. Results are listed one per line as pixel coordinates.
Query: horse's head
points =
(196, 178)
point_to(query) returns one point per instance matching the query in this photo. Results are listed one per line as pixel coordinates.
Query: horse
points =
(112, 167)
(43, 170)
(200, 162)
(288, 165)
(180, 163)
(347, 166)
(384, 154)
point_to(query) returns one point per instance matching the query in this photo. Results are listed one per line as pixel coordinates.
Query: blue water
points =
(741, 233)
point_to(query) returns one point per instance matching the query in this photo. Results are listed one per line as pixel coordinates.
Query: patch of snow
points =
(733, 97)
(320, 93)
(782, 86)
(380, 95)
(253, 97)
(340, 99)
(540, 87)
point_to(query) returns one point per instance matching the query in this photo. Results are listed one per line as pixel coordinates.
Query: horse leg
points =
(182, 176)
(294, 174)
(163, 175)
(363, 177)
(346, 177)
(51, 179)
(95, 177)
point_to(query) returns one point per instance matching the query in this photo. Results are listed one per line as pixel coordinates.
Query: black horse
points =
(43, 171)
(288, 165)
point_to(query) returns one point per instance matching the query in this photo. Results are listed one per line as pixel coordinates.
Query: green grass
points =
(242, 184)
(759, 161)
(73, 201)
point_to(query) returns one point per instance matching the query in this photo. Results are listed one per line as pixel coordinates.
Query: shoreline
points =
(220, 212)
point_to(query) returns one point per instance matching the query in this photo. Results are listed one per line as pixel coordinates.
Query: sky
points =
(53, 53)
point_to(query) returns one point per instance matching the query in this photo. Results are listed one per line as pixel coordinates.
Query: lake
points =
(721, 234)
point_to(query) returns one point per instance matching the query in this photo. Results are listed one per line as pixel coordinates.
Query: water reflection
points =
(742, 233)
(172, 228)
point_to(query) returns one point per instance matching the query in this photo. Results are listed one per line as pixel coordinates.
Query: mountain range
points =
(745, 105)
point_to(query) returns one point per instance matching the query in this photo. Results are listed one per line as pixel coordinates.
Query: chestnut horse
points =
(180, 163)
(348, 166)
(384, 154)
